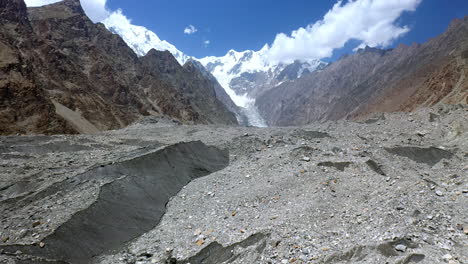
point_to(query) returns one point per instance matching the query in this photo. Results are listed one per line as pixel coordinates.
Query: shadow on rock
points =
(247, 250)
(130, 205)
(430, 156)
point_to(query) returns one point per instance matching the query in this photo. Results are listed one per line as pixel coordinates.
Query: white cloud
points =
(95, 9)
(370, 21)
(190, 29)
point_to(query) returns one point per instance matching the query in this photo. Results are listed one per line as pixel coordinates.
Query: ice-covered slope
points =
(139, 38)
(246, 74)
(232, 65)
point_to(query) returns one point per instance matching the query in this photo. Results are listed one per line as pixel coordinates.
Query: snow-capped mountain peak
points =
(247, 73)
(243, 74)
(139, 38)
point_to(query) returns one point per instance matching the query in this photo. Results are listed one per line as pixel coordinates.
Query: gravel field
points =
(392, 189)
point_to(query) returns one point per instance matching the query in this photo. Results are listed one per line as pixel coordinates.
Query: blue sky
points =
(293, 29)
(248, 24)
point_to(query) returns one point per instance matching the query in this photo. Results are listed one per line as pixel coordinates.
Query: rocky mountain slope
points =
(389, 190)
(373, 81)
(24, 105)
(68, 75)
(199, 89)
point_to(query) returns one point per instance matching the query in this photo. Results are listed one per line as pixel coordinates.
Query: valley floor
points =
(392, 189)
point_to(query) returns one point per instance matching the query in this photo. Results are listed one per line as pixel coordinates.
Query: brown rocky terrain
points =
(374, 80)
(63, 74)
(24, 105)
(190, 82)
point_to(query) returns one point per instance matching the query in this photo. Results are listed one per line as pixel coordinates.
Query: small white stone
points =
(400, 247)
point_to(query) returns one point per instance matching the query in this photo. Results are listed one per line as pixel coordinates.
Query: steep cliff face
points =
(82, 78)
(374, 80)
(24, 105)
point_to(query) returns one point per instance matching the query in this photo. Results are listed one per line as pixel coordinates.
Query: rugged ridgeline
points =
(63, 74)
(255, 83)
(374, 80)
(251, 73)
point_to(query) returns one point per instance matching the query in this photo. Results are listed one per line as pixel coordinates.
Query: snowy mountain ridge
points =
(139, 38)
(243, 75)
(247, 73)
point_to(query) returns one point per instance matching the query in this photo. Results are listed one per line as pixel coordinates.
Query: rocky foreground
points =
(392, 189)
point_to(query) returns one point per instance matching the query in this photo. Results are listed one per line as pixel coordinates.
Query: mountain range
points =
(375, 81)
(61, 73)
(356, 86)
(243, 75)
(170, 165)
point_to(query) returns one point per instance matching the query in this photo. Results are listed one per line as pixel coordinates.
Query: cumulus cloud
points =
(206, 42)
(373, 22)
(190, 29)
(95, 9)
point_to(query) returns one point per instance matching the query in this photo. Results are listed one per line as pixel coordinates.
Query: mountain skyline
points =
(117, 146)
(403, 21)
(245, 75)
